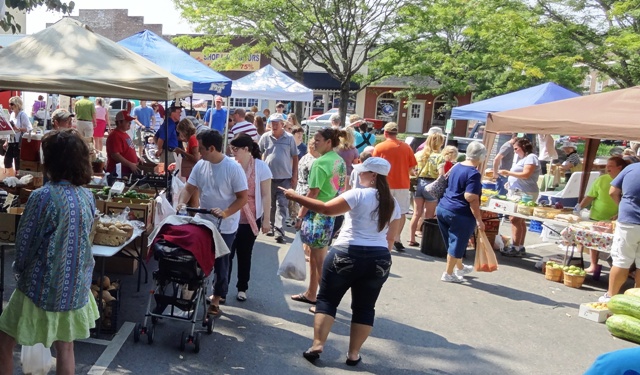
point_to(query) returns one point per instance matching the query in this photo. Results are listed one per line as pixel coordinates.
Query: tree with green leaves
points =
(488, 47)
(7, 22)
(340, 36)
(607, 32)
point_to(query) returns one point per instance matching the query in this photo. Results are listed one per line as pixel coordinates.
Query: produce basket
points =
(573, 281)
(525, 210)
(546, 212)
(553, 274)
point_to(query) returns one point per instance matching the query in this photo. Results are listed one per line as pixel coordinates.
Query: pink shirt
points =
(101, 113)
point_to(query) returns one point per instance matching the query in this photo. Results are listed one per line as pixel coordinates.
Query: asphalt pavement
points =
(511, 321)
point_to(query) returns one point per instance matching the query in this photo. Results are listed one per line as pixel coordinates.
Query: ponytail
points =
(255, 151)
(386, 204)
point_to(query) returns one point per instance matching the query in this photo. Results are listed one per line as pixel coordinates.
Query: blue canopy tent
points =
(545, 93)
(164, 54)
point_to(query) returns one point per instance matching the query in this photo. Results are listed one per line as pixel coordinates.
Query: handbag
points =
(437, 188)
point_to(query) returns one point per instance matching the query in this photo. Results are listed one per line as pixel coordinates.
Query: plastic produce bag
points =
(176, 188)
(486, 260)
(36, 359)
(163, 208)
(293, 265)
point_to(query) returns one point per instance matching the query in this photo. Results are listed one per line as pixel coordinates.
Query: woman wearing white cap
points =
(573, 162)
(360, 258)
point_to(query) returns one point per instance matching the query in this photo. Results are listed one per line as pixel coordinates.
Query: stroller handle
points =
(202, 211)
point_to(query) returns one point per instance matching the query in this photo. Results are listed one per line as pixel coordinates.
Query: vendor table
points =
(575, 235)
(97, 251)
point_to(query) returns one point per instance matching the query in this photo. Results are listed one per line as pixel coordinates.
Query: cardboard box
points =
(589, 313)
(504, 206)
(141, 209)
(9, 226)
(38, 177)
(31, 166)
(129, 266)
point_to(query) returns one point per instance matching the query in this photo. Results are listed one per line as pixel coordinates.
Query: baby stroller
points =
(181, 281)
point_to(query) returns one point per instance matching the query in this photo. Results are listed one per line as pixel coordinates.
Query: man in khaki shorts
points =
(85, 111)
(625, 249)
(402, 161)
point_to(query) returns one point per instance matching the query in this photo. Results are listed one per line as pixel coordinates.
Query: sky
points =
(153, 11)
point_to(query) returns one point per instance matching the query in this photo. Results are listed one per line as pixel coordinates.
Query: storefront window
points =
(387, 108)
(441, 112)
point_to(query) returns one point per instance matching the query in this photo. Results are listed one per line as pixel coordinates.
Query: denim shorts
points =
(421, 191)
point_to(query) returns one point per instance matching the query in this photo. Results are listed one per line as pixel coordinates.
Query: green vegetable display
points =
(625, 305)
(624, 326)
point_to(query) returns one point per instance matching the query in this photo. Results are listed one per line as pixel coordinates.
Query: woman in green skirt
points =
(52, 303)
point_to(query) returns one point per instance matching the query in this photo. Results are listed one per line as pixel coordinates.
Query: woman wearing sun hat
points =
(359, 259)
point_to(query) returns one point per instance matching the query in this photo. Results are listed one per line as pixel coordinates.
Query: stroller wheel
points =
(150, 333)
(183, 341)
(210, 322)
(196, 342)
(136, 332)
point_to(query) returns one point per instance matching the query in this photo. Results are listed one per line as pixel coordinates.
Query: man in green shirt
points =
(85, 111)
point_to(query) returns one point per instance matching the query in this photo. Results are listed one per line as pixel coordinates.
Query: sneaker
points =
(605, 298)
(242, 296)
(464, 271)
(453, 278)
(398, 246)
(280, 239)
(510, 252)
(271, 234)
(522, 252)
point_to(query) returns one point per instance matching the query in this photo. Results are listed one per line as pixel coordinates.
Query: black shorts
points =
(13, 153)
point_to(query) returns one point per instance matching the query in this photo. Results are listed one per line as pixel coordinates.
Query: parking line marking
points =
(95, 341)
(102, 364)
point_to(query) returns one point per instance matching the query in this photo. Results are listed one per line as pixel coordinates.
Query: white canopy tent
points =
(271, 84)
(69, 58)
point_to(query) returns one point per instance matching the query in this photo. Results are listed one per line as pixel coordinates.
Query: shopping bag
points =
(164, 209)
(293, 265)
(36, 359)
(176, 188)
(486, 260)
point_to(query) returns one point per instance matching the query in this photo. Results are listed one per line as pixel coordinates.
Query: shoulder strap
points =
(365, 140)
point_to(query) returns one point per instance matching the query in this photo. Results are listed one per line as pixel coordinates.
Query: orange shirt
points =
(402, 160)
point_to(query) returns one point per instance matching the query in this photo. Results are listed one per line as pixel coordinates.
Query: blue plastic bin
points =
(535, 226)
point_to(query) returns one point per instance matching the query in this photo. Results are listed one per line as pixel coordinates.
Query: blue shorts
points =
(421, 192)
(456, 230)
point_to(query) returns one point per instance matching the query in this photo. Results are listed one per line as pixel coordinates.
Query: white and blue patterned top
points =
(53, 247)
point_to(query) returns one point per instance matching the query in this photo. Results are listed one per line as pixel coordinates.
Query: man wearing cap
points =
(216, 117)
(85, 111)
(402, 161)
(62, 119)
(120, 147)
(161, 135)
(280, 111)
(280, 152)
(573, 162)
(242, 126)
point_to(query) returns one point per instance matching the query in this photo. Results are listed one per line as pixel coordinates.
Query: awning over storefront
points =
(322, 81)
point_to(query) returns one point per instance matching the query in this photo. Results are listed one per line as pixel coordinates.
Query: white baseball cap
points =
(373, 164)
(276, 117)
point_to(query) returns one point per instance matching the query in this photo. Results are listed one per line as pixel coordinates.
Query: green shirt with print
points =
(602, 207)
(329, 174)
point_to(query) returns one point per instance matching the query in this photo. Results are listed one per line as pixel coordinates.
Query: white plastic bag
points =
(293, 265)
(176, 188)
(36, 359)
(163, 208)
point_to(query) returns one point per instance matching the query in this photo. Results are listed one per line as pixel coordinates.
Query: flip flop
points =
(312, 309)
(414, 243)
(311, 355)
(352, 362)
(301, 298)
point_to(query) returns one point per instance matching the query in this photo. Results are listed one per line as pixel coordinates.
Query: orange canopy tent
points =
(610, 115)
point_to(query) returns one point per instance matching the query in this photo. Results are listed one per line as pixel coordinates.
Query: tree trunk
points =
(298, 107)
(344, 102)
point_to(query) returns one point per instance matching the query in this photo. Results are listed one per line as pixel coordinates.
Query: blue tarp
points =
(179, 63)
(545, 93)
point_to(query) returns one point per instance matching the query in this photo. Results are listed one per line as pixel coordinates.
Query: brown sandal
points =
(214, 310)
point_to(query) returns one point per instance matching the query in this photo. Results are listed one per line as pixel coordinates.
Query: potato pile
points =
(112, 234)
(107, 299)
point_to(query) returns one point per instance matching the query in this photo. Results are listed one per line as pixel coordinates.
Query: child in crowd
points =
(450, 156)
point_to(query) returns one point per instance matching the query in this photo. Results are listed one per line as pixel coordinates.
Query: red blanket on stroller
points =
(196, 239)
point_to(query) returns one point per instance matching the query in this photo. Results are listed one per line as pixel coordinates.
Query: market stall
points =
(608, 115)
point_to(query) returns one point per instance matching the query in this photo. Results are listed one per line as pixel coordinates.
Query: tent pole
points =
(166, 145)
(488, 139)
(590, 152)
(226, 129)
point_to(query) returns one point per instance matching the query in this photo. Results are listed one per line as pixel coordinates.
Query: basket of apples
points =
(553, 272)
(573, 276)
